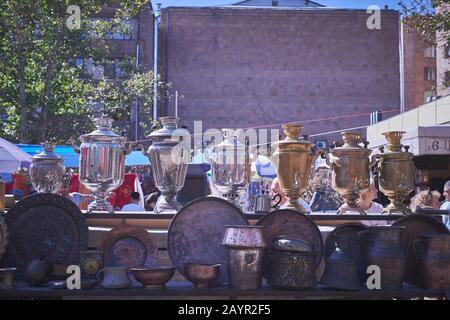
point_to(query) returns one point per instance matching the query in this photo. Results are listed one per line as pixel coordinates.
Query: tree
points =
(38, 86)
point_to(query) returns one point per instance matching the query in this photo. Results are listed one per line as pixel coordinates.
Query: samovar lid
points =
(170, 129)
(352, 142)
(290, 244)
(47, 153)
(394, 145)
(103, 131)
(292, 132)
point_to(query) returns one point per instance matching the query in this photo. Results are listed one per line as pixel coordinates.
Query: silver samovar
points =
(47, 170)
(102, 162)
(230, 165)
(169, 156)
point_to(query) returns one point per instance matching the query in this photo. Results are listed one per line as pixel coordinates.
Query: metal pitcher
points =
(263, 203)
(114, 278)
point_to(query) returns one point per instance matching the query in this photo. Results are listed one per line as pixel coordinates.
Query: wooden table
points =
(184, 290)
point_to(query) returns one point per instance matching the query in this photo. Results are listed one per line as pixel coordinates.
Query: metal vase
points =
(245, 255)
(169, 156)
(47, 170)
(351, 171)
(396, 173)
(293, 159)
(230, 165)
(102, 163)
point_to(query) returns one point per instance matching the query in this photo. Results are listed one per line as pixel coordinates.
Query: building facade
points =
(248, 66)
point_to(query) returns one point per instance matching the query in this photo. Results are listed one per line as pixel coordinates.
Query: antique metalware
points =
(351, 171)
(383, 248)
(197, 231)
(294, 224)
(154, 277)
(433, 260)
(245, 267)
(47, 170)
(4, 236)
(396, 172)
(243, 236)
(7, 276)
(291, 264)
(87, 284)
(129, 246)
(59, 271)
(417, 224)
(230, 165)
(102, 162)
(169, 155)
(91, 262)
(46, 226)
(293, 159)
(263, 203)
(37, 272)
(114, 278)
(342, 270)
(202, 275)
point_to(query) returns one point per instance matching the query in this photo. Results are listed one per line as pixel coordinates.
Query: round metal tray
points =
(196, 232)
(45, 226)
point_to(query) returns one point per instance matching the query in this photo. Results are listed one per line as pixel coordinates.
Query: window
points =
(430, 74)
(114, 69)
(430, 52)
(128, 30)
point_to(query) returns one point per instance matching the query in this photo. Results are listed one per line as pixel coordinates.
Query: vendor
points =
(75, 197)
(277, 190)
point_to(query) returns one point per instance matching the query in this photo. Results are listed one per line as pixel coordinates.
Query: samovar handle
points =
(143, 150)
(74, 145)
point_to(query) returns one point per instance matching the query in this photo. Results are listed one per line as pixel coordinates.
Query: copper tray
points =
(196, 233)
(415, 225)
(294, 224)
(45, 226)
(128, 246)
(346, 228)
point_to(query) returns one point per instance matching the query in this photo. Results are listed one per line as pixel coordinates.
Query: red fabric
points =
(9, 187)
(20, 183)
(122, 195)
(118, 198)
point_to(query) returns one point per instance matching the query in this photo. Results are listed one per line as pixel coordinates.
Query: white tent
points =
(12, 157)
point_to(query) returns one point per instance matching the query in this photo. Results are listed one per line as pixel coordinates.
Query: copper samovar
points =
(351, 171)
(396, 172)
(293, 159)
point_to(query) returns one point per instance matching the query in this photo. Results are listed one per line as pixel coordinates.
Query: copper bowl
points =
(202, 275)
(153, 277)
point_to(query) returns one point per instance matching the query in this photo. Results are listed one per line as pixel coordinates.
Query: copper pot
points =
(433, 260)
(382, 248)
(37, 273)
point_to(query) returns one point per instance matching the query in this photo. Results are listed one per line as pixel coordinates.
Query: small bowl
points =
(202, 275)
(153, 277)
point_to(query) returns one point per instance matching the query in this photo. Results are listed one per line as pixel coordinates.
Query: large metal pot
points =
(47, 170)
(169, 155)
(245, 253)
(102, 162)
(433, 260)
(382, 248)
(291, 264)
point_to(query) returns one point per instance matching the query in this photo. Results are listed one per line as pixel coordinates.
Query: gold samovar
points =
(396, 172)
(351, 171)
(293, 159)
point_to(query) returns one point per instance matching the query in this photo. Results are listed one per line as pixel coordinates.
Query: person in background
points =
(134, 204)
(366, 200)
(150, 202)
(276, 189)
(75, 197)
(446, 204)
(427, 200)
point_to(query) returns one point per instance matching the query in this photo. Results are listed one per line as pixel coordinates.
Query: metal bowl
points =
(202, 275)
(153, 277)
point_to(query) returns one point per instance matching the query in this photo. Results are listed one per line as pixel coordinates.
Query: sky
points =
(353, 4)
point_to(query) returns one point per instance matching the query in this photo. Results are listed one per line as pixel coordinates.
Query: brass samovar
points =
(293, 159)
(351, 171)
(396, 172)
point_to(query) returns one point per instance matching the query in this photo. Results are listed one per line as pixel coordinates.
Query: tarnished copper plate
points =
(293, 224)
(195, 234)
(415, 225)
(128, 246)
(45, 226)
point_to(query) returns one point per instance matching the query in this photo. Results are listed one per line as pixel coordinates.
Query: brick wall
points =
(242, 67)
